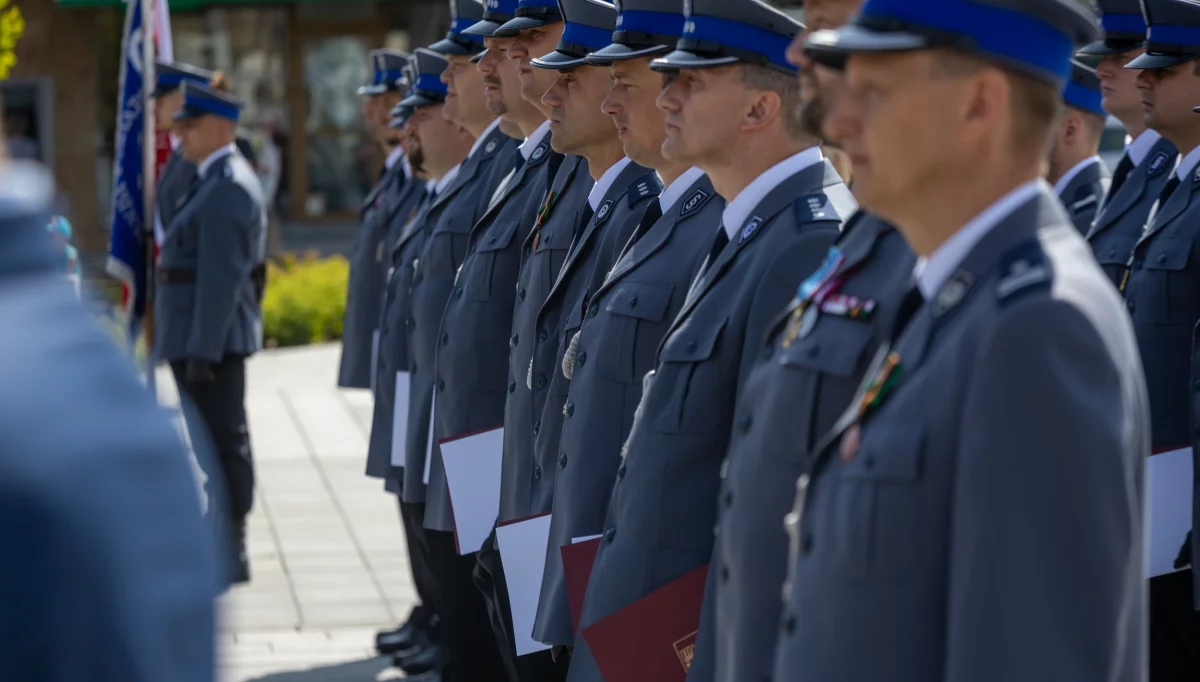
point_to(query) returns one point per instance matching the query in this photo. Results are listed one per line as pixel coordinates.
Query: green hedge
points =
(305, 300)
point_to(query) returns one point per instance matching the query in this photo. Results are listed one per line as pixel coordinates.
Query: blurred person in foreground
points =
(108, 571)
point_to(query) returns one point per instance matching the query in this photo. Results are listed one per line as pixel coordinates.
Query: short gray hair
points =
(787, 86)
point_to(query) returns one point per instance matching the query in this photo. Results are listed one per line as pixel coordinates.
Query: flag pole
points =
(150, 177)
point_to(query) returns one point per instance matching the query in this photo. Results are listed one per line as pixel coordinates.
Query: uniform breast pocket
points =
(447, 246)
(872, 517)
(1170, 293)
(495, 263)
(637, 315)
(690, 372)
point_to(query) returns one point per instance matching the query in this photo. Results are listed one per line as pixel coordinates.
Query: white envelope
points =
(472, 463)
(1168, 508)
(400, 419)
(523, 553)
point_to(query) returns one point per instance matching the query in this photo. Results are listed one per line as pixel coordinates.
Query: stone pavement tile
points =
(273, 433)
(240, 619)
(300, 562)
(325, 422)
(330, 578)
(339, 612)
(355, 670)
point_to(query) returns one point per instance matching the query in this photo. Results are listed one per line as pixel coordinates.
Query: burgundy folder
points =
(577, 568)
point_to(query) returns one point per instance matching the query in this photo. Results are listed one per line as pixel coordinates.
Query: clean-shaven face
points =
(632, 102)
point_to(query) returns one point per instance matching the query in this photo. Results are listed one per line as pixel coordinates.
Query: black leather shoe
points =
(391, 641)
(423, 660)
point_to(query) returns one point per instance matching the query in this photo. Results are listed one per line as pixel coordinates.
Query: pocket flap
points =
(1170, 254)
(643, 301)
(895, 455)
(498, 236)
(694, 341)
(839, 356)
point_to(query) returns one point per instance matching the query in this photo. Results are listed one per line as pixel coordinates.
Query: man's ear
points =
(764, 108)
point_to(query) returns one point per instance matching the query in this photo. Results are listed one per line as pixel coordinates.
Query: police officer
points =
(1162, 300)
(477, 321)
(627, 313)
(1146, 165)
(816, 353)
(360, 338)
(178, 174)
(786, 204)
(1079, 177)
(447, 224)
(108, 572)
(535, 30)
(208, 305)
(928, 529)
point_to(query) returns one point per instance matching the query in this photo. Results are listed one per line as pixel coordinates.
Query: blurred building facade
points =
(297, 64)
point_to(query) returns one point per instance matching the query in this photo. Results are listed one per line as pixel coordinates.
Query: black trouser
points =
(1174, 629)
(462, 615)
(215, 413)
(413, 518)
(489, 578)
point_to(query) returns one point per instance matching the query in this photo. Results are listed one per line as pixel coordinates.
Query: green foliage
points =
(305, 300)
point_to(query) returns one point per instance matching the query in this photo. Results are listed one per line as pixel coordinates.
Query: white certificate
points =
(472, 463)
(1169, 508)
(522, 547)
(399, 419)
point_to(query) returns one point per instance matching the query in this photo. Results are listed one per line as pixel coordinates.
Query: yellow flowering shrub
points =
(12, 27)
(305, 300)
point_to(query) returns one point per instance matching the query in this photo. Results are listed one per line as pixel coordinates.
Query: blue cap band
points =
(1083, 97)
(1174, 35)
(430, 83)
(168, 80)
(1123, 23)
(214, 107)
(657, 23)
(461, 24)
(740, 36)
(1041, 46)
(507, 7)
(578, 34)
(389, 76)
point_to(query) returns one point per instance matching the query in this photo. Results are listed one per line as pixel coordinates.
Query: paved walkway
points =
(327, 553)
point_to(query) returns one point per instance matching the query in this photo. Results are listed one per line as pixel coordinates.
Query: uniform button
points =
(609, 535)
(594, 310)
(445, 338)
(514, 340)
(633, 302)
(492, 240)
(541, 381)
(728, 499)
(521, 294)
(537, 473)
(869, 463)
(441, 385)
(543, 335)
(537, 426)
(747, 422)
(569, 410)
(562, 461)
(691, 346)
(580, 358)
(1162, 258)
(621, 472)
(458, 293)
(813, 350)
(789, 625)
(806, 542)
(724, 574)
(512, 386)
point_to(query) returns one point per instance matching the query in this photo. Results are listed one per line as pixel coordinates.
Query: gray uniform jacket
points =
(393, 341)
(1083, 194)
(219, 232)
(664, 502)
(593, 252)
(1163, 298)
(935, 529)
(448, 225)
(626, 319)
(368, 269)
(813, 360)
(112, 580)
(177, 176)
(1123, 214)
(543, 255)
(477, 321)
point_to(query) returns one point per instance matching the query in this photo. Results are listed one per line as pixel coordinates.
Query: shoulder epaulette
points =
(1024, 270)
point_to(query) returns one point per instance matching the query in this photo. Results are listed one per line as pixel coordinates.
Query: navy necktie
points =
(1121, 174)
(1172, 185)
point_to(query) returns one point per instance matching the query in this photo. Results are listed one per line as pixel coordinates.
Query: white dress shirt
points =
(605, 183)
(535, 138)
(1065, 180)
(738, 211)
(674, 191)
(394, 157)
(443, 182)
(932, 272)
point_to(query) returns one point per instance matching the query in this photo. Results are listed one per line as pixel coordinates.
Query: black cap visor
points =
(559, 61)
(1107, 47)
(483, 29)
(514, 27)
(1159, 60)
(449, 46)
(683, 59)
(831, 47)
(617, 52)
(418, 100)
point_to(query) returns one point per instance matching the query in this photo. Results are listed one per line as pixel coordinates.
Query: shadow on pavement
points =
(370, 670)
